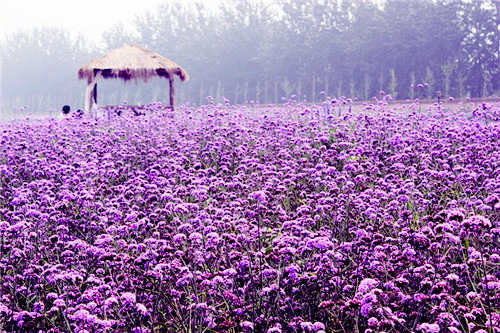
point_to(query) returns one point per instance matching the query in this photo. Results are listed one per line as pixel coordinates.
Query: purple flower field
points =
(239, 219)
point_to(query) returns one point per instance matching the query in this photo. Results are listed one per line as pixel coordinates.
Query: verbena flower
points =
(247, 325)
(375, 214)
(367, 284)
(258, 196)
(429, 328)
(128, 298)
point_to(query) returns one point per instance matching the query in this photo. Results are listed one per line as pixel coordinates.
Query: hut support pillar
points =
(94, 93)
(91, 92)
(171, 82)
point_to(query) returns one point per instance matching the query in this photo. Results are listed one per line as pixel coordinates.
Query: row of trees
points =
(263, 51)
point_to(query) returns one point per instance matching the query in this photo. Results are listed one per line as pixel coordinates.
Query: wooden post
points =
(171, 82)
(91, 92)
(88, 97)
(94, 93)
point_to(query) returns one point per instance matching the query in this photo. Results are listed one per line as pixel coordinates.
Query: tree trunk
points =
(245, 92)
(218, 92)
(202, 91)
(237, 93)
(367, 86)
(266, 88)
(326, 84)
(461, 84)
(313, 97)
(275, 91)
(381, 79)
(257, 92)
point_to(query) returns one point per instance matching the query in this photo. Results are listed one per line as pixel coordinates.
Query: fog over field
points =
(264, 51)
(330, 166)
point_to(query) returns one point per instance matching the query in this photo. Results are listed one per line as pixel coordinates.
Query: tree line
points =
(264, 51)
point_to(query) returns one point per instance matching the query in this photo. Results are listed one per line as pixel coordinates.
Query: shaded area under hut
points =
(130, 62)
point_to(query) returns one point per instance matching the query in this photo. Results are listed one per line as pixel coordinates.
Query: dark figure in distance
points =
(66, 112)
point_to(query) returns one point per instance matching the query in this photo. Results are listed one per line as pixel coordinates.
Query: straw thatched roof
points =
(131, 62)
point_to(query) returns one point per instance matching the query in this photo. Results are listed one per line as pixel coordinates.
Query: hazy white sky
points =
(90, 17)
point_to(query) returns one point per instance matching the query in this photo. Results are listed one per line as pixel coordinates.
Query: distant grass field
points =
(466, 105)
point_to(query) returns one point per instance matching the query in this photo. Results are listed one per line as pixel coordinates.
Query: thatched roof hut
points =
(129, 63)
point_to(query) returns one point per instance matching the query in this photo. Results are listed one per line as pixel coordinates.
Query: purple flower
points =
(38, 307)
(317, 326)
(84, 316)
(258, 196)
(366, 309)
(320, 243)
(373, 322)
(247, 325)
(196, 238)
(388, 206)
(142, 309)
(59, 303)
(293, 270)
(307, 326)
(128, 298)
(275, 329)
(367, 285)
(140, 330)
(180, 238)
(5, 310)
(429, 328)
(476, 223)
(110, 302)
(453, 329)
(51, 296)
(229, 272)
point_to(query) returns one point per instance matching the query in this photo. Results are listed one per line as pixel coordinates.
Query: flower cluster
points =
(227, 218)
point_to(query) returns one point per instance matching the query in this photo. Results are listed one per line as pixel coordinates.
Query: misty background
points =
(263, 51)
